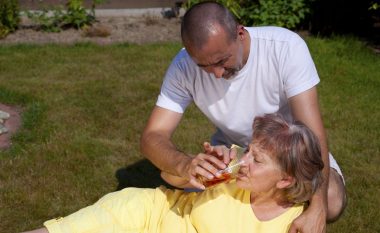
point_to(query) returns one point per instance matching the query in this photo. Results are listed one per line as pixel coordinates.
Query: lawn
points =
(84, 108)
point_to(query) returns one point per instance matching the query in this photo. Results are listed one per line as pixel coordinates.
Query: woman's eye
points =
(255, 158)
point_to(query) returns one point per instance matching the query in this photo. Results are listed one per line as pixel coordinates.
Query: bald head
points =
(205, 19)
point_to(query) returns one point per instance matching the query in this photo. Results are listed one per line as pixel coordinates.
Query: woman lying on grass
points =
(281, 170)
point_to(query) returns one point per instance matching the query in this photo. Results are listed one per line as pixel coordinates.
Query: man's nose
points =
(218, 71)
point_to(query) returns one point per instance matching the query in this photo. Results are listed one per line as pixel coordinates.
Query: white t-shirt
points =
(279, 66)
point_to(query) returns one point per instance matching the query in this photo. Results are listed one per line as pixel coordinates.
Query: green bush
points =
(283, 13)
(77, 15)
(9, 16)
(232, 5)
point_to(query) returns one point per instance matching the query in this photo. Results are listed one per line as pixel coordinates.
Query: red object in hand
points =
(225, 177)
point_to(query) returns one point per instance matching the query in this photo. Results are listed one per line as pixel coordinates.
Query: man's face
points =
(219, 56)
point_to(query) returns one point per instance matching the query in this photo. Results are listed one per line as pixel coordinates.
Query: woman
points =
(279, 173)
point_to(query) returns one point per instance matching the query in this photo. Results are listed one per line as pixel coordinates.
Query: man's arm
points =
(157, 146)
(305, 108)
(156, 142)
(176, 181)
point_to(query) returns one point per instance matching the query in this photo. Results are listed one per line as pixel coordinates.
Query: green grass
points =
(85, 106)
(350, 101)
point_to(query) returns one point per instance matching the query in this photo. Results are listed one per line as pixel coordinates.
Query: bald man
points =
(234, 73)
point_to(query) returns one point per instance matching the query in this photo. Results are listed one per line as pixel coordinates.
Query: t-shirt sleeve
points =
(299, 70)
(174, 94)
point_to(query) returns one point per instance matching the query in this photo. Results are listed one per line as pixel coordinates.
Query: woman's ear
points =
(285, 182)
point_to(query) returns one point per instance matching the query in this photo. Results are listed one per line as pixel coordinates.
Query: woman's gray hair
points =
(296, 149)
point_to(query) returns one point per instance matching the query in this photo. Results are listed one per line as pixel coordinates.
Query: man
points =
(234, 73)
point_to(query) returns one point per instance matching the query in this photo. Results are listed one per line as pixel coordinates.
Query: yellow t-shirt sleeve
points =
(124, 211)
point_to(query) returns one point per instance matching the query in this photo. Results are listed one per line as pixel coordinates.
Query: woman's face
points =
(259, 173)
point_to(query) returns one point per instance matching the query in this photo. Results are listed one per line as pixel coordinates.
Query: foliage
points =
(232, 5)
(77, 15)
(283, 13)
(9, 16)
(48, 20)
(74, 16)
(375, 5)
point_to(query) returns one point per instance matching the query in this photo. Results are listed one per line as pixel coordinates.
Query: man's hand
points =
(209, 163)
(220, 151)
(312, 220)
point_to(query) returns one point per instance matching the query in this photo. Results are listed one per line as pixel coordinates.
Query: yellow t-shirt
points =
(222, 208)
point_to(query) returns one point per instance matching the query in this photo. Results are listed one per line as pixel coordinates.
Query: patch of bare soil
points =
(108, 29)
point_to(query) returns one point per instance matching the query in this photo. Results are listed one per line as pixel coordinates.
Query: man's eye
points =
(222, 62)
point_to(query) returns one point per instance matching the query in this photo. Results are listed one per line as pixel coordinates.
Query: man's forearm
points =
(320, 196)
(164, 154)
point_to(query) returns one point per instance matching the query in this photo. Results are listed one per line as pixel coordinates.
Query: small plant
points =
(9, 16)
(75, 16)
(47, 20)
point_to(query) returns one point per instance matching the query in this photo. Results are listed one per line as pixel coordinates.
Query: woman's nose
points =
(246, 159)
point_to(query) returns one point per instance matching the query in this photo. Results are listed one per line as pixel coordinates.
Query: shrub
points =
(284, 13)
(9, 16)
(232, 5)
(77, 16)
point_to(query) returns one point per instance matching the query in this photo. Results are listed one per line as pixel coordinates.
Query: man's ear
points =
(285, 182)
(240, 31)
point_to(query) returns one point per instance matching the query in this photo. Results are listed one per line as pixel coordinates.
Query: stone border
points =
(13, 123)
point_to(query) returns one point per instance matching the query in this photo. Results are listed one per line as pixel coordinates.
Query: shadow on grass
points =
(142, 174)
